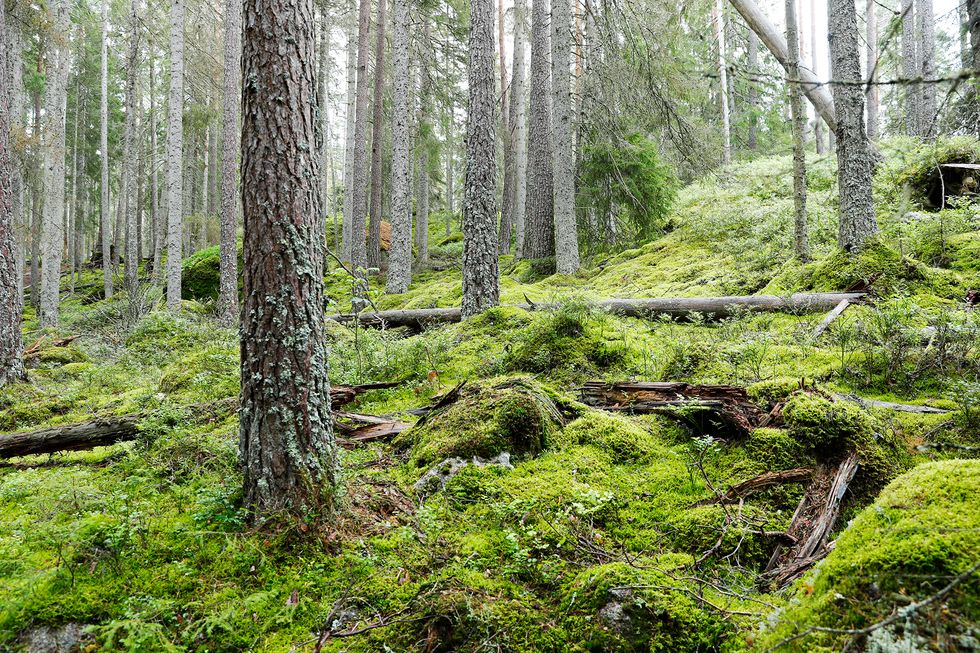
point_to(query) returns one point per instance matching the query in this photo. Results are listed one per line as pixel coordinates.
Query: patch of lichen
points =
(919, 534)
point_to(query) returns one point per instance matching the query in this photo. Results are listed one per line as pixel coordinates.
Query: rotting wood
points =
(710, 308)
(890, 405)
(35, 348)
(831, 316)
(760, 482)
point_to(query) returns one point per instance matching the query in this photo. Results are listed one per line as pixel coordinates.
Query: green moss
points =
(200, 273)
(920, 533)
(965, 251)
(772, 391)
(769, 450)
(207, 374)
(622, 438)
(824, 424)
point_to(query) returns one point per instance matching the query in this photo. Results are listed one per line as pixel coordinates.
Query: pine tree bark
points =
(287, 444)
(871, 37)
(539, 222)
(857, 214)
(973, 27)
(230, 148)
(518, 124)
(910, 68)
(481, 276)
(377, 142)
(17, 103)
(345, 248)
(801, 239)
(927, 68)
(506, 137)
(156, 220)
(175, 155)
(400, 252)
(423, 134)
(563, 153)
(130, 154)
(55, 101)
(358, 252)
(105, 227)
(718, 21)
(323, 90)
(11, 348)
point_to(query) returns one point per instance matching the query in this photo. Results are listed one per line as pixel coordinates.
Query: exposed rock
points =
(436, 478)
(69, 638)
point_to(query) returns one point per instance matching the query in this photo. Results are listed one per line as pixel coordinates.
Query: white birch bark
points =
(718, 21)
(927, 68)
(518, 103)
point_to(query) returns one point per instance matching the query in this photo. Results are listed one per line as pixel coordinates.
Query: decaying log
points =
(760, 482)
(812, 522)
(831, 316)
(35, 348)
(712, 308)
(727, 404)
(890, 405)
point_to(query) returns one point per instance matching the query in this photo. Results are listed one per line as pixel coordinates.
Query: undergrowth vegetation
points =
(601, 531)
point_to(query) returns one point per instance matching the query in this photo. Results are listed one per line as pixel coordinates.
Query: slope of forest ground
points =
(603, 531)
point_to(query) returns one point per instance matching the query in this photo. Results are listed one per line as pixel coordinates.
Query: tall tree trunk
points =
(450, 168)
(718, 21)
(400, 252)
(230, 149)
(175, 155)
(563, 152)
(539, 223)
(423, 136)
(73, 209)
(507, 196)
(910, 69)
(130, 153)
(156, 220)
(11, 363)
(377, 142)
(345, 249)
(871, 23)
(857, 213)
(973, 14)
(37, 193)
(358, 252)
(927, 68)
(326, 71)
(481, 275)
(801, 239)
(966, 55)
(753, 99)
(17, 101)
(52, 224)
(818, 123)
(518, 123)
(287, 445)
(104, 223)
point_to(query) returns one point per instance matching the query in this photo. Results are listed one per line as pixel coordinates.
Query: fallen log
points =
(760, 482)
(712, 308)
(728, 404)
(891, 405)
(831, 316)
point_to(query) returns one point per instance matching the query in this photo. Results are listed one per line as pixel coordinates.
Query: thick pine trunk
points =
(52, 224)
(871, 37)
(377, 141)
(230, 149)
(539, 222)
(130, 154)
(857, 213)
(400, 251)
(175, 154)
(563, 153)
(287, 445)
(801, 239)
(481, 275)
(358, 250)
(927, 68)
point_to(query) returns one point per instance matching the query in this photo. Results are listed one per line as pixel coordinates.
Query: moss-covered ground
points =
(597, 537)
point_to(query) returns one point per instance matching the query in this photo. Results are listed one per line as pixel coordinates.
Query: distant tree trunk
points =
(326, 72)
(423, 136)
(37, 193)
(175, 154)
(753, 99)
(345, 248)
(377, 141)
(287, 445)
(818, 124)
(104, 224)
(857, 213)
(11, 349)
(358, 252)
(801, 239)
(539, 222)
(973, 14)
(871, 23)
(518, 124)
(507, 196)
(400, 251)
(128, 186)
(481, 275)
(450, 171)
(16, 101)
(52, 224)
(156, 219)
(73, 208)
(910, 69)
(966, 55)
(927, 69)
(563, 153)
(718, 20)
(231, 140)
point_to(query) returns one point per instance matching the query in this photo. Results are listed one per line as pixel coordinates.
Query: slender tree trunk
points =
(857, 214)
(37, 193)
(326, 71)
(423, 136)
(539, 230)
(287, 445)
(927, 69)
(518, 122)
(73, 209)
(175, 155)
(966, 55)
(481, 276)
(52, 225)
(230, 148)
(450, 171)
(358, 252)
(718, 20)
(128, 186)
(753, 99)
(871, 24)
(910, 69)
(11, 363)
(801, 239)
(400, 252)
(156, 219)
(345, 250)
(104, 223)
(377, 142)
(973, 15)
(818, 123)
(17, 102)
(507, 202)
(563, 152)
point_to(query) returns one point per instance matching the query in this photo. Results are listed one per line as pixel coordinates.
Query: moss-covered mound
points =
(200, 273)
(921, 533)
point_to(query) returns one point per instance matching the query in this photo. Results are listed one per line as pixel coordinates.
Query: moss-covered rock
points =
(922, 531)
(825, 424)
(200, 273)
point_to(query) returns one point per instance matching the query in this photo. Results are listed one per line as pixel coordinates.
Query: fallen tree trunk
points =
(728, 404)
(713, 308)
(760, 482)
(891, 405)
(831, 316)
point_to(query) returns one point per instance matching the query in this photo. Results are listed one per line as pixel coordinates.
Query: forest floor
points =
(604, 531)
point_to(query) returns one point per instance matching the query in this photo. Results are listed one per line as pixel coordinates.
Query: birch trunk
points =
(481, 282)
(518, 104)
(230, 149)
(563, 153)
(345, 249)
(927, 68)
(104, 224)
(175, 154)
(128, 189)
(871, 36)
(539, 230)
(377, 178)
(52, 224)
(400, 252)
(358, 252)
(801, 239)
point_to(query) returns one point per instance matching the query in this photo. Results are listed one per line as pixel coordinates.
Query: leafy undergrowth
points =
(596, 535)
